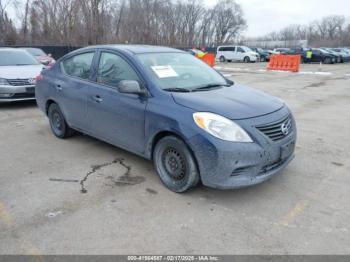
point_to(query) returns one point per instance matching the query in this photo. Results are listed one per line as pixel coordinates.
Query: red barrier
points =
(208, 59)
(285, 63)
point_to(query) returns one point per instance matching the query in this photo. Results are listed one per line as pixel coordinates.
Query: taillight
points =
(39, 78)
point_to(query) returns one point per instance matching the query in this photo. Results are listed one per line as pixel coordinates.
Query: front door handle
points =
(97, 99)
(58, 88)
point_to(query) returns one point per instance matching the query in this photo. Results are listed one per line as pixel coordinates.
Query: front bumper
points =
(10, 93)
(229, 165)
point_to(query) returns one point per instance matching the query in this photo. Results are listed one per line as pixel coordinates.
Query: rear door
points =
(116, 117)
(71, 88)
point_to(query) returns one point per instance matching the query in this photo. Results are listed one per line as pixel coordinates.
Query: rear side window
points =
(227, 49)
(112, 69)
(79, 65)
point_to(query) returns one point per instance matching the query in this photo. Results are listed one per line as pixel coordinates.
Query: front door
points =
(116, 117)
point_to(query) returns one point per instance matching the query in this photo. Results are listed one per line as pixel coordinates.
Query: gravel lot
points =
(305, 210)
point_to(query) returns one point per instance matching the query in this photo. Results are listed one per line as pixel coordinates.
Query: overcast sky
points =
(265, 16)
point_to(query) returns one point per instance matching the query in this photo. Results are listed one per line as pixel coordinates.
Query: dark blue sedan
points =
(168, 106)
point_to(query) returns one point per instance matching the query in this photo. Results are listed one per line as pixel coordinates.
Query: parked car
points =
(263, 55)
(321, 56)
(281, 50)
(18, 71)
(337, 55)
(168, 106)
(236, 53)
(40, 55)
(342, 52)
(271, 52)
(193, 51)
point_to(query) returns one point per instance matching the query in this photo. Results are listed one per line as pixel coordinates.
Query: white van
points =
(236, 53)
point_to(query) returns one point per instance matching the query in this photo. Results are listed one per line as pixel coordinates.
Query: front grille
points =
(23, 95)
(277, 130)
(20, 82)
(239, 171)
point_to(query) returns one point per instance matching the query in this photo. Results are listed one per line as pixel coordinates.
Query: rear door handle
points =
(58, 88)
(97, 99)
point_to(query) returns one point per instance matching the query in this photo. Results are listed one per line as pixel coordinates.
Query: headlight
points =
(4, 82)
(221, 127)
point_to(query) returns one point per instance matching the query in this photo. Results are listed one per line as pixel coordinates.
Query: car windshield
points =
(16, 58)
(180, 72)
(35, 51)
(247, 49)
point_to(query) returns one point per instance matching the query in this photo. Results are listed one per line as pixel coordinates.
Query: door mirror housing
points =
(131, 87)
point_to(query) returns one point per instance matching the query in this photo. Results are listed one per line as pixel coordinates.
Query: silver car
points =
(18, 70)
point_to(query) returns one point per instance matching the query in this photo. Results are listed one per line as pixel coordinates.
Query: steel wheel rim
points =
(174, 164)
(56, 121)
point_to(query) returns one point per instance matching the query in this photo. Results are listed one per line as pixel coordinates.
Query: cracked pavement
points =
(83, 196)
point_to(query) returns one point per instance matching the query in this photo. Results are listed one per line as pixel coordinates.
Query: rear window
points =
(35, 51)
(79, 65)
(16, 58)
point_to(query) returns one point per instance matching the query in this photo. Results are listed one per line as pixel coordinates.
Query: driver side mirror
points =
(131, 87)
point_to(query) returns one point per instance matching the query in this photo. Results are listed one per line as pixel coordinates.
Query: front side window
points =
(180, 71)
(79, 65)
(240, 50)
(112, 69)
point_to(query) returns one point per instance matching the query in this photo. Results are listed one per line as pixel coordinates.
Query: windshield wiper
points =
(209, 86)
(177, 89)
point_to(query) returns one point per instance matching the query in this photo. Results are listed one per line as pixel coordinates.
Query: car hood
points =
(235, 102)
(20, 72)
(253, 53)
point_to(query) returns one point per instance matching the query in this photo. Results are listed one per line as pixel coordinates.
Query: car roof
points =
(136, 49)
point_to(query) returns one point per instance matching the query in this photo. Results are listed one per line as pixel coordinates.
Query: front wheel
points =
(175, 164)
(246, 59)
(327, 60)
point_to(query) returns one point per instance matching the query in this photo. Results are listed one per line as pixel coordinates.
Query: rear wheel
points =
(58, 124)
(246, 59)
(222, 59)
(175, 164)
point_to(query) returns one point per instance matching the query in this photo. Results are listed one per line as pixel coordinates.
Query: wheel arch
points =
(173, 133)
(161, 134)
(47, 105)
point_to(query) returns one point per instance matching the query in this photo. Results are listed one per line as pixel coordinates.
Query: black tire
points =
(327, 60)
(58, 124)
(246, 59)
(222, 59)
(262, 59)
(175, 164)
